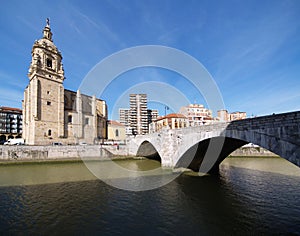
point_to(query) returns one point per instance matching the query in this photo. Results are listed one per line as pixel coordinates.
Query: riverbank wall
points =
(39, 153)
(253, 152)
(31, 153)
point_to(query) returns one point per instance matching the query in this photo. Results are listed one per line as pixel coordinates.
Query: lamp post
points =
(166, 108)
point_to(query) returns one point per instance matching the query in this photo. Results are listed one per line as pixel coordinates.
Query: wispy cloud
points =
(256, 43)
(29, 24)
(100, 26)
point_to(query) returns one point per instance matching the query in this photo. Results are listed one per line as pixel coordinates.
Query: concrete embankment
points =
(39, 153)
(59, 153)
(252, 152)
(118, 150)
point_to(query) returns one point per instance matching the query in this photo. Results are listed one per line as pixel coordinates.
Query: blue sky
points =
(251, 48)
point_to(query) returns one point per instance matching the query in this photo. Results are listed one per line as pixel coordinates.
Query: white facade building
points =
(197, 114)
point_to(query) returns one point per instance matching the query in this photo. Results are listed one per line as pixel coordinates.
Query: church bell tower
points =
(43, 105)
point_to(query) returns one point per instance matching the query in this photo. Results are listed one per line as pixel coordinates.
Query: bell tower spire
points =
(46, 58)
(47, 34)
(44, 96)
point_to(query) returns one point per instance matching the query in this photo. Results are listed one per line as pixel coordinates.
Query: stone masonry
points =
(278, 133)
(52, 113)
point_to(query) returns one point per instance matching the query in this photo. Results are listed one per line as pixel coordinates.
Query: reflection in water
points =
(30, 174)
(239, 201)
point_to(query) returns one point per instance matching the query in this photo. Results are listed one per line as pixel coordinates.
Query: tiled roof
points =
(10, 109)
(113, 122)
(172, 115)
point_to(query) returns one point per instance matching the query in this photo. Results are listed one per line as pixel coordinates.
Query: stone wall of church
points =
(53, 114)
(85, 118)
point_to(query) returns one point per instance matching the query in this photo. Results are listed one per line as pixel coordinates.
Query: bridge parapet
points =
(283, 126)
(271, 121)
(278, 133)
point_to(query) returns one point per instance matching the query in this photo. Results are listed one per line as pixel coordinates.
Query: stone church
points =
(52, 114)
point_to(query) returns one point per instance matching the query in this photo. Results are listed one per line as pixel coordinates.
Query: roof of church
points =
(46, 41)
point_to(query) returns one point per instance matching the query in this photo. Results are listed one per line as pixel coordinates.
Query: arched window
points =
(117, 133)
(69, 118)
(49, 62)
(49, 132)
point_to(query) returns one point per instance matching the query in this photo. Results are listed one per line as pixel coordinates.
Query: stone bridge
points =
(203, 148)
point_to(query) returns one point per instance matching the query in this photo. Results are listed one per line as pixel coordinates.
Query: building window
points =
(69, 119)
(48, 92)
(86, 121)
(49, 62)
(49, 132)
(48, 103)
(117, 133)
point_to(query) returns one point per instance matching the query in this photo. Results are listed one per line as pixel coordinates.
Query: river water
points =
(250, 196)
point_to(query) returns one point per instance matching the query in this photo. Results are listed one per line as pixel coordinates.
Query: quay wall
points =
(253, 152)
(118, 150)
(23, 153)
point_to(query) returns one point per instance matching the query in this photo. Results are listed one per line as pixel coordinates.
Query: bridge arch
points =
(278, 133)
(147, 149)
(194, 156)
(283, 145)
(234, 140)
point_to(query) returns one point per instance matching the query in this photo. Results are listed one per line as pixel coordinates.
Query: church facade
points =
(54, 114)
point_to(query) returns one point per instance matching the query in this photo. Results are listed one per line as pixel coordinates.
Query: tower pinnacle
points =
(47, 34)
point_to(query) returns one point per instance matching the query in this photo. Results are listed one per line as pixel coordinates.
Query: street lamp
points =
(166, 108)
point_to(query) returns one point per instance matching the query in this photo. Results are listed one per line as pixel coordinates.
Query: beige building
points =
(170, 121)
(115, 131)
(224, 115)
(52, 113)
(197, 114)
(238, 115)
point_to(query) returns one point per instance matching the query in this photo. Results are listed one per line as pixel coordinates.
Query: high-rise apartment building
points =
(137, 118)
(124, 119)
(152, 115)
(138, 113)
(124, 116)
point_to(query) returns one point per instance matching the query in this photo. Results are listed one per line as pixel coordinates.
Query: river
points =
(250, 196)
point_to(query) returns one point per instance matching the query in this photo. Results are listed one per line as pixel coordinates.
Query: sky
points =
(251, 49)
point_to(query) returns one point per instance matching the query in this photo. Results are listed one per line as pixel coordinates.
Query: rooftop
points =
(172, 115)
(113, 122)
(12, 109)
